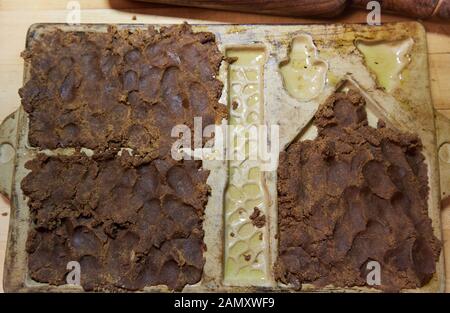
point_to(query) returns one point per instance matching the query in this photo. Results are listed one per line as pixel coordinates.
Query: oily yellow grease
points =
(387, 60)
(304, 73)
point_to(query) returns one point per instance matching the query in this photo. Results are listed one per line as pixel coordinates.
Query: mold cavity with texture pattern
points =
(246, 257)
(386, 59)
(303, 72)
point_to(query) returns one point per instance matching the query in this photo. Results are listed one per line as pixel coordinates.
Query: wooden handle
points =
(305, 8)
(443, 10)
(413, 8)
(319, 8)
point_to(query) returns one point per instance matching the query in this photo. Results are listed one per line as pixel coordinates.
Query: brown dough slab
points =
(128, 223)
(354, 194)
(120, 88)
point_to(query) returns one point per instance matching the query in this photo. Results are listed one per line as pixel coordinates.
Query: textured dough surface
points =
(120, 88)
(129, 223)
(354, 194)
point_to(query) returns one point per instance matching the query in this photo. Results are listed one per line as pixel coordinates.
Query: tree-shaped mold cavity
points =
(374, 111)
(303, 72)
(386, 60)
(354, 194)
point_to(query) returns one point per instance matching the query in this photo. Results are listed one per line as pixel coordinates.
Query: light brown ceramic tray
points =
(407, 107)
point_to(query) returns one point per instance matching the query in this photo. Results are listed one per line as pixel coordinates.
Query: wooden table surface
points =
(17, 15)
